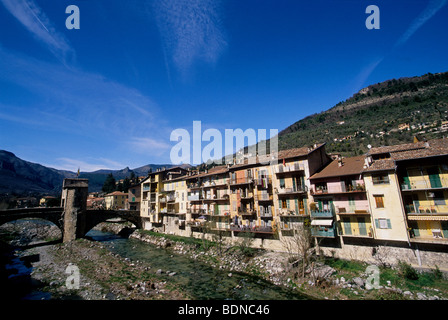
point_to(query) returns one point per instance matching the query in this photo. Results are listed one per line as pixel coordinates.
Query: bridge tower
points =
(74, 202)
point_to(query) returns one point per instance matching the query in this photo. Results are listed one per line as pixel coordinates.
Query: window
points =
(380, 178)
(379, 201)
(383, 223)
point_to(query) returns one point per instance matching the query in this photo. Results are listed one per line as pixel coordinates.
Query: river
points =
(200, 280)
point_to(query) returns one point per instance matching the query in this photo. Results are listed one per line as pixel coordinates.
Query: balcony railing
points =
(359, 187)
(323, 231)
(242, 180)
(293, 190)
(357, 209)
(246, 212)
(426, 209)
(196, 211)
(288, 168)
(423, 184)
(194, 197)
(322, 213)
(256, 229)
(288, 212)
(263, 197)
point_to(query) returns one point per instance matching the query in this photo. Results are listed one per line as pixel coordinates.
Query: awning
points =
(322, 222)
(428, 218)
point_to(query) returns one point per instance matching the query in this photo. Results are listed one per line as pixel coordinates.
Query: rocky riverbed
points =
(108, 276)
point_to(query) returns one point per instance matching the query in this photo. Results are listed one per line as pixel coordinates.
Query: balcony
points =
(256, 229)
(295, 167)
(357, 209)
(263, 197)
(291, 213)
(243, 180)
(246, 212)
(425, 184)
(322, 213)
(426, 209)
(291, 191)
(351, 188)
(194, 197)
(196, 211)
(324, 228)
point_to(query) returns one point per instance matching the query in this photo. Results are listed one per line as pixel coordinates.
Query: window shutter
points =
(388, 224)
(377, 225)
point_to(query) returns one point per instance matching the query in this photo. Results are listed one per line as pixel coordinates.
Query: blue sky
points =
(108, 95)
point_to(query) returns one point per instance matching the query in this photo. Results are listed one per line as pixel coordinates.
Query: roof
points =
(432, 148)
(408, 151)
(350, 166)
(282, 154)
(117, 193)
(381, 165)
(210, 172)
(396, 148)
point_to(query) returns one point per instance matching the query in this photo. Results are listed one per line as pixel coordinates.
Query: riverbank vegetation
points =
(322, 277)
(106, 275)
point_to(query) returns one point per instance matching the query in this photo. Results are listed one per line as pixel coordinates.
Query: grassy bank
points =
(402, 282)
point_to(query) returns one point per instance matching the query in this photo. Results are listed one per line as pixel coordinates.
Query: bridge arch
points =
(53, 215)
(95, 217)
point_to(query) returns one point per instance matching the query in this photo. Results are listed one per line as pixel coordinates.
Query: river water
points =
(196, 278)
(200, 280)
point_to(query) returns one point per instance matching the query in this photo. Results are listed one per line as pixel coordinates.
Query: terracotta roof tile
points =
(350, 166)
(381, 165)
(395, 148)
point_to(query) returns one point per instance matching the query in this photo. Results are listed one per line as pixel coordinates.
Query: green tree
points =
(126, 184)
(109, 184)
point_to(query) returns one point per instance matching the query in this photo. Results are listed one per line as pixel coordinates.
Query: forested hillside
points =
(386, 113)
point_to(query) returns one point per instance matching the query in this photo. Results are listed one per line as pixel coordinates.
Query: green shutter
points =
(287, 204)
(407, 182)
(362, 226)
(444, 229)
(416, 230)
(388, 224)
(296, 203)
(434, 177)
(377, 224)
(347, 226)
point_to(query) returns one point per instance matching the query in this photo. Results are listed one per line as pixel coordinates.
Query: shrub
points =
(406, 271)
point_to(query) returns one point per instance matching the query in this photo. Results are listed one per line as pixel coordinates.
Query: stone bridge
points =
(72, 217)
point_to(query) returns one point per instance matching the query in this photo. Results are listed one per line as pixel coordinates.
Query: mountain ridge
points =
(22, 177)
(371, 117)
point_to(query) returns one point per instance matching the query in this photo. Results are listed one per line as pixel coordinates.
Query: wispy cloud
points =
(75, 100)
(145, 145)
(87, 165)
(191, 30)
(433, 7)
(37, 23)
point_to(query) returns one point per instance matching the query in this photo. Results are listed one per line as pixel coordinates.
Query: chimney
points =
(340, 163)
